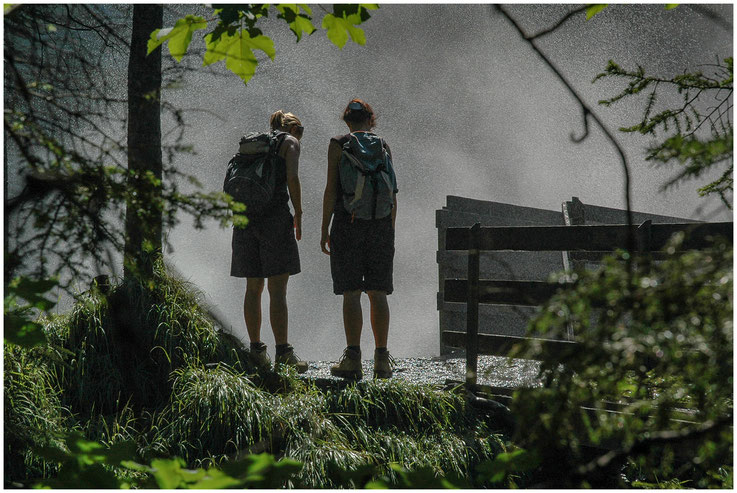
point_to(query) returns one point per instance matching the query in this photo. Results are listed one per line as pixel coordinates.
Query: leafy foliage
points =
(65, 137)
(298, 22)
(656, 341)
(342, 23)
(178, 37)
(236, 35)
(90, 464)
(20, 327)
(698, 134)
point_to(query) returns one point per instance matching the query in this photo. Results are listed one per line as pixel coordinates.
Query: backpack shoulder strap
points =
(341, 139)
(277, 137)
(386, 146)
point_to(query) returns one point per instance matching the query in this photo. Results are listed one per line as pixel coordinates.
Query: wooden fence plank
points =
(526, 293)
(603, 238)
(496, 345)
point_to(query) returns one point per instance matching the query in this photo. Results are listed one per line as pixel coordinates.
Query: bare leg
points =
(379, 317)
(252, 307)
(278, 307)
(352, 317)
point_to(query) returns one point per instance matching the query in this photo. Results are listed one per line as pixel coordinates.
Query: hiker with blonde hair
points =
(266, 249)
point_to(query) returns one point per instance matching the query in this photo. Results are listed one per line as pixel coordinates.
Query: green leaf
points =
(378, 484)
(365, 7)
(20, 328)
(237, 49)
(507, 463)
(671, 6)
(339, 28)
(215, 48)
(178, 36)
(217, 480)
(346, 9)
(240, 58)
(52, 454)
(228, 14)
(297, 21)
(22, 332)
(32, 291)
(302, 24)
(594, 9)
(167, 473)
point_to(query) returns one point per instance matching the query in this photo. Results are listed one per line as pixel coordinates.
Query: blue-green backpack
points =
(367, 177)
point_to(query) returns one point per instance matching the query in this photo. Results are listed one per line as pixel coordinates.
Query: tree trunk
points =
(143, 208)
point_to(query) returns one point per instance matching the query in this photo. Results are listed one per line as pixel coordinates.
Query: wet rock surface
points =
(492, 370)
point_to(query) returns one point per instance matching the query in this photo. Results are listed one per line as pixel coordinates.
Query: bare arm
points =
(330, 195)
(291, 149)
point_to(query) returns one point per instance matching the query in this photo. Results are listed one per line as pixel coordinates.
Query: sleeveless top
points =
(339, 209)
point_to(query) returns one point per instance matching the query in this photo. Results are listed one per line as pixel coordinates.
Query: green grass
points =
(146, 363)
(214, 412)
(34, 416)
(395, 403)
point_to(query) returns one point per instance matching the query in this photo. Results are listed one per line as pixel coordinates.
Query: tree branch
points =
(557, 24)
(587, 113)
(719, 21)
(668, 437)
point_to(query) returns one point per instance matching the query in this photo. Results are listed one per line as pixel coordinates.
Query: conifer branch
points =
(686, 146)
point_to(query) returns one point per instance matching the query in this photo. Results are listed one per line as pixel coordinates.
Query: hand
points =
(325, 241)
(298, 226)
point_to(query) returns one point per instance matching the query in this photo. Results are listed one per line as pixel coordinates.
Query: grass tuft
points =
(125, 345)
(34, 416)
(213, 413)
(399, 404)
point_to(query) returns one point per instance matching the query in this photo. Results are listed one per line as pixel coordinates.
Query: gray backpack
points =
(250, 177)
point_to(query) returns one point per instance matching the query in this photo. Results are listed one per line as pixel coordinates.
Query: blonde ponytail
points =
(282, 121)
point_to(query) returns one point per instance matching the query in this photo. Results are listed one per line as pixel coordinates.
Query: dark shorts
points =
(362, 254)
(265, 248)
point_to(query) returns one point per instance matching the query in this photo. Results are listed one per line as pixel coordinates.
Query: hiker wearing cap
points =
(360, 198)
(266, 248)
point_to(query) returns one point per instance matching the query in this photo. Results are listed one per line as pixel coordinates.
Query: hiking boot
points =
(288, 358)
(260, 358)
(349, 365)
(383, 364)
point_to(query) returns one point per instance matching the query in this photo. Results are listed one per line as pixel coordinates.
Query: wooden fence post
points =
(472, 309)
(644, 237)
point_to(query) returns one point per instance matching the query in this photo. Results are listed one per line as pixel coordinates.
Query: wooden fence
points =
(512, 320)
(597, 239)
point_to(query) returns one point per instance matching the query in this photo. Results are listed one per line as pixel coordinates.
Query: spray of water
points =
(468, 110)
